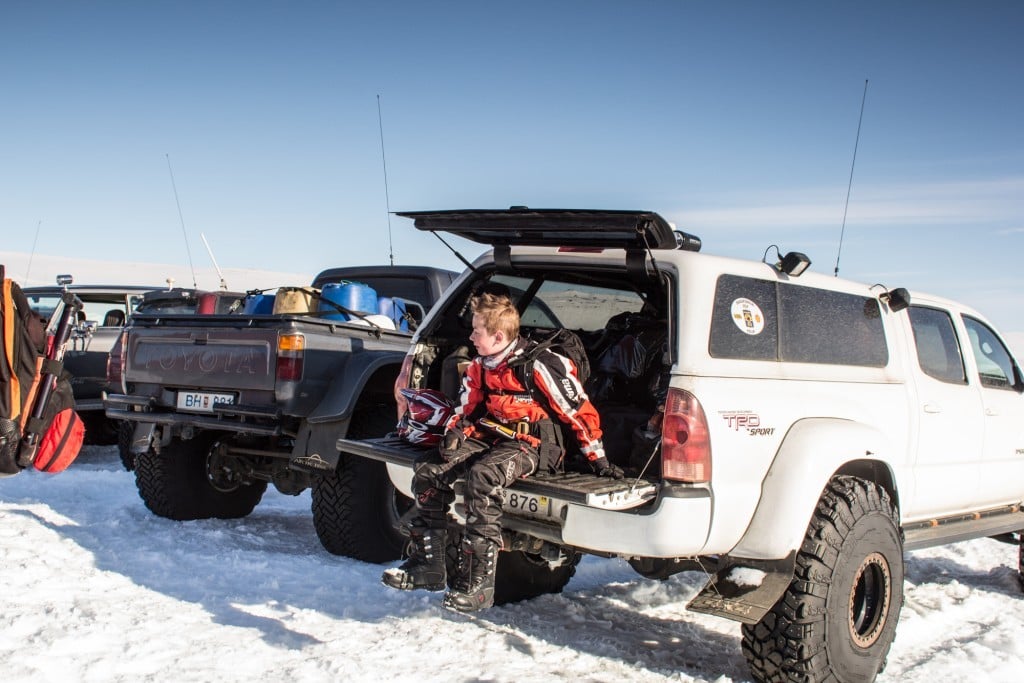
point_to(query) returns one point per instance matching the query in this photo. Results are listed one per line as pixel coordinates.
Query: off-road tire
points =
(356, 510)
(174, 484)
(1020, 559)
(521, 576)
(99, 429)
(125, 431)
(838, 617)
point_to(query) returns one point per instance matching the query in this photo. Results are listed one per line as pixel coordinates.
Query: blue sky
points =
(735, 120)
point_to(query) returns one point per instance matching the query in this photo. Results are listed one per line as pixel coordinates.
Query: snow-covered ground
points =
(95, 588)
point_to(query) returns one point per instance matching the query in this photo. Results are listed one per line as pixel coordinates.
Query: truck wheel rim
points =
(222, 470)
(869, 600)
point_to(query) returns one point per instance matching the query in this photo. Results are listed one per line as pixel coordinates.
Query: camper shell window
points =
(765, 320)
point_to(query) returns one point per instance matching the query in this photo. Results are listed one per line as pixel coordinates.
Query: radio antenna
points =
(223, 284)
(182, 219)
(849, 185)
(387, 200)
(33, 252)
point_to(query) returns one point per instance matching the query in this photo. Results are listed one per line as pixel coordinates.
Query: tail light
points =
(402, 382)
(116, 363)
(290, 351)
(685, 442)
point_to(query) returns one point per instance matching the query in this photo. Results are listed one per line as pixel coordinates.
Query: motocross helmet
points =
(425, 420)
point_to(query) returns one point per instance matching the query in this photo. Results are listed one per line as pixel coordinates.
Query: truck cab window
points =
(938, 352)
(995, 365)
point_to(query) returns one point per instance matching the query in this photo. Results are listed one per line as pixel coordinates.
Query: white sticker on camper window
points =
(747, 316)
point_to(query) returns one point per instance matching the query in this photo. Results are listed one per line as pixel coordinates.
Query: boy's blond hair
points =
(497, 312)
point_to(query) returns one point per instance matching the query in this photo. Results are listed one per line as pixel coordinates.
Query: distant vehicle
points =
(105, 310)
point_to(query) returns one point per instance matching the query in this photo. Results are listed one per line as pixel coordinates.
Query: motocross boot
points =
(473, 589)
(424, 569)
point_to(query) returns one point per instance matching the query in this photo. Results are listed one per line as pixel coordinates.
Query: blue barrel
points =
(355, 296)
(394, 308)
(258, 304)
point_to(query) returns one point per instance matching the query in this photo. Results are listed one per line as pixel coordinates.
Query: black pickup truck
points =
(226, 402)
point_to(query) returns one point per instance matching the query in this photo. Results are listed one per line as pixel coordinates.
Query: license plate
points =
(528, 504)
(201, 401)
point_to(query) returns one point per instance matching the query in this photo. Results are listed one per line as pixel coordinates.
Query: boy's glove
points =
(603, 468)
(451, 443)
(453, 440)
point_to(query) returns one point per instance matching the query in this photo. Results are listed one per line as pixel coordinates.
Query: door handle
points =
(991, 412)
(932, 408)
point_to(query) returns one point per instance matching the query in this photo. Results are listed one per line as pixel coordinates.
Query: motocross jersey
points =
(498, 392)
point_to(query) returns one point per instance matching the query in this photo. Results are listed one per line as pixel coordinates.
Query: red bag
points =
(60, 444)
(62, 439)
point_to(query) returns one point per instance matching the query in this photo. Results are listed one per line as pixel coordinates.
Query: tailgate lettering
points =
(204, 360)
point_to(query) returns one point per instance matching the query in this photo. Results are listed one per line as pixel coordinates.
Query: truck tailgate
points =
(569, 487)
(211, 358)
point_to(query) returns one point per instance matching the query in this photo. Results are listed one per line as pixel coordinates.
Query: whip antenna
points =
(387, 200)
(33, 252)
(850, 184)
(223, 284)
(182, 219)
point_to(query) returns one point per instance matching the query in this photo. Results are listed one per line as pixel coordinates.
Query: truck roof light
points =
(794, 263)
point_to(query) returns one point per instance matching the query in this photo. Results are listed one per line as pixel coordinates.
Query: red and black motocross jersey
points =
(499, 393)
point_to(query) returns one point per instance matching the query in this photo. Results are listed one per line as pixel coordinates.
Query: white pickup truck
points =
(787, 433)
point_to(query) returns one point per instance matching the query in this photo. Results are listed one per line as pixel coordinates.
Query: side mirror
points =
(64, 280)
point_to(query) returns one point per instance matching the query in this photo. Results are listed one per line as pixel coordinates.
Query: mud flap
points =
(315, 449)
(744, 590)
(142, 437)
